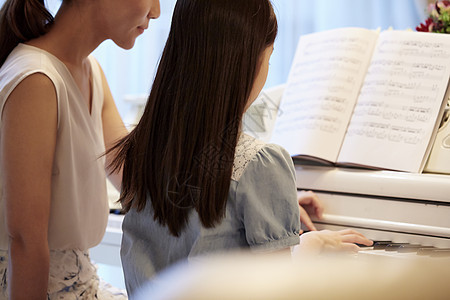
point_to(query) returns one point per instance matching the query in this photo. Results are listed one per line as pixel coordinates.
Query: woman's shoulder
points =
(251, 150)
(25, 57)
(26, 60)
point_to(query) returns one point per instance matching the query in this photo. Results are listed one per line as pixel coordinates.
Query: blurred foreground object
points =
(244, 276)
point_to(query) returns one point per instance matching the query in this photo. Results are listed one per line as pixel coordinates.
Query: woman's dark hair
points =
(21, 21)
(181, 152)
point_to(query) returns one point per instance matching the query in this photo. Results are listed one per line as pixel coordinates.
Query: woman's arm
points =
(113, 129)
(28, 139)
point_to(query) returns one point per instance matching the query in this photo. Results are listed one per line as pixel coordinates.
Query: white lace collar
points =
(246, 149)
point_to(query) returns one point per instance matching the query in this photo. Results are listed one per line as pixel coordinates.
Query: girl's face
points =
(124, 21)
(261, 76)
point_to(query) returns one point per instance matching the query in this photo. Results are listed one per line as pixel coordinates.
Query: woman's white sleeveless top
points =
(79, 205)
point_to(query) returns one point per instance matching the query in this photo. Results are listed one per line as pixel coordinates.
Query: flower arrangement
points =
(439, 18)
(438, 21)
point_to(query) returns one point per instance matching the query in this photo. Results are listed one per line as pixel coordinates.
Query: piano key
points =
(394, 246)
(409, 248)
(440, 252)
(377, 254)
(380, 245)
(425, 251)
(384, 249)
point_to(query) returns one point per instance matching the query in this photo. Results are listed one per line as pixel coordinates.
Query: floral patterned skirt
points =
(72, 276)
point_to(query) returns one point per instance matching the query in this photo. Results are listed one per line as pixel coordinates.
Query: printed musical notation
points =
(314, 112)
(389, 90)
(343, 63)
(325, 71)
(408, 65)
(415, 48)
(386, 131)
(337, 43)
(388, 111)
(312, 122)
(316, 102)
(373, 100)
(407, 71)
(398, 92)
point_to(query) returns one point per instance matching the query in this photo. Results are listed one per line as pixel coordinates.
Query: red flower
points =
(439, 18)
(428, 26)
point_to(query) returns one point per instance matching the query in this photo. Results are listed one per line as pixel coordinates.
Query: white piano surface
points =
(403, 207)
(425, 186)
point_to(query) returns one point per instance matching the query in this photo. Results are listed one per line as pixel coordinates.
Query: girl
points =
(193, 184)
(56, 117)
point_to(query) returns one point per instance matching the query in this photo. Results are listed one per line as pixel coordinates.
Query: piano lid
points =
(428, 187)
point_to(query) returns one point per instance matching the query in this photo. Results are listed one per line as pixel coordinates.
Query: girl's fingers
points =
(305, 219)
(355, 237)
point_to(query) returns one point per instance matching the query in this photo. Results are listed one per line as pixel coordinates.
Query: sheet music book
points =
(361, 97)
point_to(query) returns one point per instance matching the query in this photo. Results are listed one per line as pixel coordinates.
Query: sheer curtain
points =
(131, 72)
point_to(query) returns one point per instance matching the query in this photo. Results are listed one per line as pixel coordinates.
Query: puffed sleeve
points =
(267, 200)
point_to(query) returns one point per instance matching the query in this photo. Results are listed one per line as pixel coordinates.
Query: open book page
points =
(322, 88)
(401, 102)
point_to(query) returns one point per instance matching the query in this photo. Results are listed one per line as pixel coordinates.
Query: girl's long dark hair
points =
(180, 155)
(21, 21)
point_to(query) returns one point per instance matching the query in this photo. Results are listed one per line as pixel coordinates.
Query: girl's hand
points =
(316, 242)
(309, 204)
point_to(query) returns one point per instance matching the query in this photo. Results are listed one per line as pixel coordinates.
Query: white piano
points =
(383, 205)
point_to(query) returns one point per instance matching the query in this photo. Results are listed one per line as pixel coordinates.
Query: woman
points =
(193, 184)
(57, 116)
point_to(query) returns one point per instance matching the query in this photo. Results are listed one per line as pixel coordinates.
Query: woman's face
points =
(125, 20)
(261, 76)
